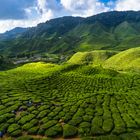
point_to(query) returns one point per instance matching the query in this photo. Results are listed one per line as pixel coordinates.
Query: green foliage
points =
(108, 125)
(26, 118)
(49, 124)
(96, 57)
(119, 125)
(96, 128)
(125, 60)
(128, 136)
(13, 127)
(16, 133)
(69, 100)
(5, 63)
(42, 114)
(30, 124)
(33, 130)
(69, 131)
(76, 120)
(84, 129)
(3, 126)
(54, 131)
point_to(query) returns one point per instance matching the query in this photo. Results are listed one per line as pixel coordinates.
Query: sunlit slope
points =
(96, 57)
(69, 101)
(29, 71)
(125, 60)
(36, 67)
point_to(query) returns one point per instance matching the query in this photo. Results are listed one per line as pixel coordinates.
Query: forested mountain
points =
(12, 34)
(108, 31)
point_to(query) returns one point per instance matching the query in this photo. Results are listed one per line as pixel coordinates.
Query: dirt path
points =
(41, 137)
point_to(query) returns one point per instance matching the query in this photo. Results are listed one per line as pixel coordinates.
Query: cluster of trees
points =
(98, 115)
(5, 63)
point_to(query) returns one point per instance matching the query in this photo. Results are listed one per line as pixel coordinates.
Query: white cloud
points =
(123, 5)
(43, 10)
(84, 8)
(37, 14)
(10, 24)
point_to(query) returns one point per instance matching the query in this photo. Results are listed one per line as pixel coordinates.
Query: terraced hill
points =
(41, 100)
(125, 60)
(96, 57)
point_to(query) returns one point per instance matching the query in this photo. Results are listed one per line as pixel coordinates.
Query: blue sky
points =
(25, 13)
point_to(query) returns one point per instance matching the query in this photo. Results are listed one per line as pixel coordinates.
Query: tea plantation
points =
(48, 101)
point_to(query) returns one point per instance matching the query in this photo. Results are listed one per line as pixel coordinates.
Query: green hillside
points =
(94, 95)
(124, 30)
(130, 42)
(67, 35)
(96, 57)
(125, 60)
(40, 100)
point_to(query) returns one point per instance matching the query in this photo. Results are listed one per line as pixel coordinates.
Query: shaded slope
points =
(124, 30)
(92, 36)
(129, 42)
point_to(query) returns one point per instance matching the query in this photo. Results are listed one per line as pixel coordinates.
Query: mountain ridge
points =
(11, 34)
(108, 31)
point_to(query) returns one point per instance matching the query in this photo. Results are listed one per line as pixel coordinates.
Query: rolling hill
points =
(106, 31)
(125, 60)
(46, 101)
(96, 57)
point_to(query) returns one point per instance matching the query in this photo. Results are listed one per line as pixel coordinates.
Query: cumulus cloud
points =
(37, 13)
(40, 11)
(123, 5)
(10, 24)
(84, 7)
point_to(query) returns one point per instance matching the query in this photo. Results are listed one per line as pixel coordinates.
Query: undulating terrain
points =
(76, 99)
(93, 95)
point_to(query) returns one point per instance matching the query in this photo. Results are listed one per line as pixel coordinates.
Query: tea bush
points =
(69, 101)
(69, 131)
